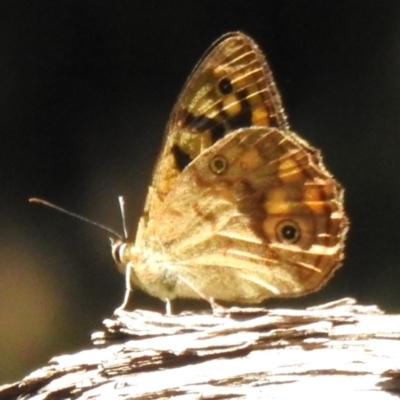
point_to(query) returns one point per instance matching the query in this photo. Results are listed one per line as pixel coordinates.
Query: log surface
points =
(328, 350)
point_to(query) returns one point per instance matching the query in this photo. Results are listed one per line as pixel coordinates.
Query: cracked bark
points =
(328, 350)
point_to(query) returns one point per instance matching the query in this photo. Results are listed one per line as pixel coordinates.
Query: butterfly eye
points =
(288, 232)
(225, 86)
(218, 165)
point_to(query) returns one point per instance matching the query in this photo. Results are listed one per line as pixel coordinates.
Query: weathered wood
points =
(337, 348)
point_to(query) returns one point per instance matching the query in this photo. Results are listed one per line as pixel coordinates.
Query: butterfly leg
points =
(128, 287)
(168, 307)
(216, 308)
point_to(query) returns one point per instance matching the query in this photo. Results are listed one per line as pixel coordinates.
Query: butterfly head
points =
(124, 253)
(118, 251)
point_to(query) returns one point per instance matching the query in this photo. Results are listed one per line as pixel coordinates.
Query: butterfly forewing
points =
(231, 87)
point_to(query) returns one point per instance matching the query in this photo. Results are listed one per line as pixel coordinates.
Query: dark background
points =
(86, 88)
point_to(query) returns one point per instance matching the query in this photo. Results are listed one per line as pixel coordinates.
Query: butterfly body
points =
(240, 208)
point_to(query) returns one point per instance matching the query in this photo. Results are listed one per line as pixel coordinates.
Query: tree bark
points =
(321, 352)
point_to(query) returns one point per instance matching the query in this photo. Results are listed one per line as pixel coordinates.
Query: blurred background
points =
(85, 92)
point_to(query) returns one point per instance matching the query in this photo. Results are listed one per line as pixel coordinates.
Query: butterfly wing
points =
(231, 87)
(257, 215)
(239, 208)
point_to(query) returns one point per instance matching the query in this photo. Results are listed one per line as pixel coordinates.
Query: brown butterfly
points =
(240, 208)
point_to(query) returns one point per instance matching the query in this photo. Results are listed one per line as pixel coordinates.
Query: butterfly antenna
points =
(70, 213)
(122, 207)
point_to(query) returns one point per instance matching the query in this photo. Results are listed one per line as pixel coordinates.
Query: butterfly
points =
(240, 208)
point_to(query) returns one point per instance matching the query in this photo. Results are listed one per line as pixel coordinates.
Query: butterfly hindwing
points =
(271, 216)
